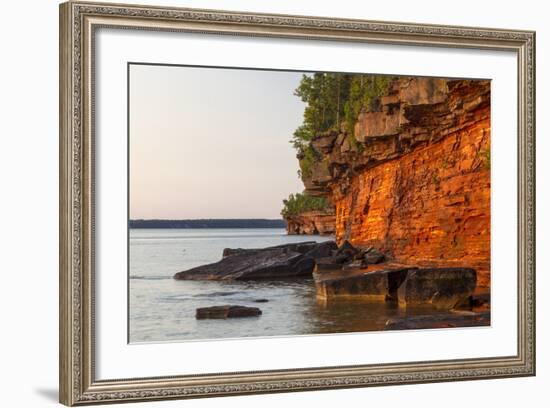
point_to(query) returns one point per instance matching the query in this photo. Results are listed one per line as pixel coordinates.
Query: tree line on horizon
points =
(207, 223)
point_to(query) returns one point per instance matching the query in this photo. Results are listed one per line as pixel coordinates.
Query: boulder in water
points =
(226, 312)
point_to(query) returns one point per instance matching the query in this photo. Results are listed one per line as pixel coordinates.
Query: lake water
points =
(163, 309)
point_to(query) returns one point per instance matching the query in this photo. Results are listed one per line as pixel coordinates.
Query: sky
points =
(211, 142)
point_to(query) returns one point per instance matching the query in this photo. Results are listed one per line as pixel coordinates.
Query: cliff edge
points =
(413, 176)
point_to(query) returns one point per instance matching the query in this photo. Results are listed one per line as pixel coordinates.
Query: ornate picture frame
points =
(78, 24)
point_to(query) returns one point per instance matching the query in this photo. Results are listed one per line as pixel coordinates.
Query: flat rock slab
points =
(325, 270)
(227, 312)
(301, 247)
(380, 284)
(443, 288)
(284, 261)
(439, 321)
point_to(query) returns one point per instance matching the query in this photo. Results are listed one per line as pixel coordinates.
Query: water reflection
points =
(359, 315)
(166, 310)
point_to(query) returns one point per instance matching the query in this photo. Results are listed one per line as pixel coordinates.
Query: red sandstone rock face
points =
(312, 223)
(417, 182)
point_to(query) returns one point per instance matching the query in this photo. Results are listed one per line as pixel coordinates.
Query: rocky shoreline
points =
(406, 193)
(349, 272)
(413, 177)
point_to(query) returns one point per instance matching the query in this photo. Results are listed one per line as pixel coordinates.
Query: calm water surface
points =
(163, 309)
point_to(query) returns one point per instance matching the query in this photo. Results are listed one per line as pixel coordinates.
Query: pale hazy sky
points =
(212, 142)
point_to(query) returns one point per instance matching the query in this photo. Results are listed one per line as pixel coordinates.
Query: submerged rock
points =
(226, 312)
(439, 321)
(284, 261)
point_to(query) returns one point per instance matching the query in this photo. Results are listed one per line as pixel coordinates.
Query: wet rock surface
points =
(347, 271)
(365, 273)
(284, 261)
(439, 321)
(379, 285)
(442, 288)
(227, 312)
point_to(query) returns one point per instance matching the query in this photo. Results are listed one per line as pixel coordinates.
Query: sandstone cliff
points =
(414, 179)
(312, 223)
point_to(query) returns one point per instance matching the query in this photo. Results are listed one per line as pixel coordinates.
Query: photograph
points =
(276, 200)
(282, 203)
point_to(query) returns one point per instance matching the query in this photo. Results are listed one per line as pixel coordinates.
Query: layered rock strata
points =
(278, 262)
(311, 223)
(441, 288)
(439, 321)
(414, 179)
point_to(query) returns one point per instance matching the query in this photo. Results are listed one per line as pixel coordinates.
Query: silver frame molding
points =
(78, 22)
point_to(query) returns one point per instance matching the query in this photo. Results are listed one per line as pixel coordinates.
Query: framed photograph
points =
(256, 203)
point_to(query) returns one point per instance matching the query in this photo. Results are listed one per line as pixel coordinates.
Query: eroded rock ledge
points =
(367, 274)
(442, 288)
(284, 261)
(312, 223)
(414, 181)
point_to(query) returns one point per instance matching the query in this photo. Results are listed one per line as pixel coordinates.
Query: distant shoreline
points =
(207, 223)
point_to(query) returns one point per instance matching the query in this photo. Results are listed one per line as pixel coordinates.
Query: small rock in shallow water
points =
(226, 312)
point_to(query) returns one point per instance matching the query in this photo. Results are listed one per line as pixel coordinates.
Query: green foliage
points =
(299, 203)
(332, 100)
(364, 91)
(325, 95)
(308, 157)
